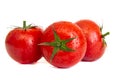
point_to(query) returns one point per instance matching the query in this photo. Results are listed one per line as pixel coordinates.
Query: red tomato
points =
(63, 44)
(96, 44)
(22, 44)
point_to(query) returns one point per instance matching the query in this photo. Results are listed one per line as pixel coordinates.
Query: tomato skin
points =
(22, 45)
(65, 30)
(95, 44)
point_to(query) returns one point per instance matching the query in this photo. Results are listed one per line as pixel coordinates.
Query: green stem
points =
(107, 33)
(58, 44)
(24, 25)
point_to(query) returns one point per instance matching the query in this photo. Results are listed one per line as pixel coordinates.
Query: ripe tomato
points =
(22, 44)
(63, 44)
(96, 44)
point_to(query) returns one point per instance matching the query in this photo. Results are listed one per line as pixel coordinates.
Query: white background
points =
(44, 13)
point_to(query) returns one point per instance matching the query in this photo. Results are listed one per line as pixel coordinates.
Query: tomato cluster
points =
(63, 44)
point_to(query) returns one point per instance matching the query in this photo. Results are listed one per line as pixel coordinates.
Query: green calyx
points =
(104, 35)
(25, 27)
(58, 44)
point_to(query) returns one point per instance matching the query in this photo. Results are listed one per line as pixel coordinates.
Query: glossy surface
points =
(65, 30)
(95, 44)
(22, 45)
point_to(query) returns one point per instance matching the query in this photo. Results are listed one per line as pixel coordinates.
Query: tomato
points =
(63, 44)
(96, 44)
(22, 44)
